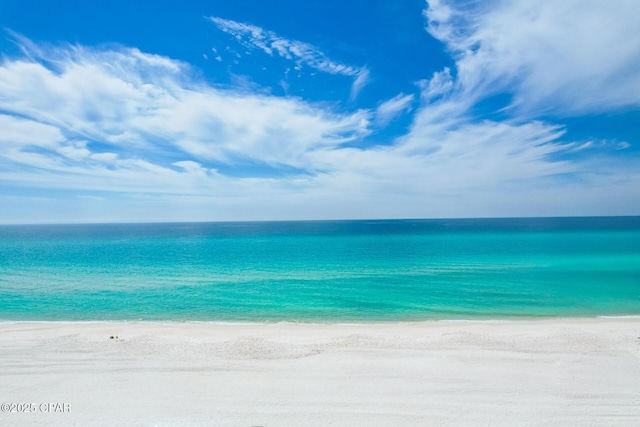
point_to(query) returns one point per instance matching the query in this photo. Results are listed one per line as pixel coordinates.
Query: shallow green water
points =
(322, 271)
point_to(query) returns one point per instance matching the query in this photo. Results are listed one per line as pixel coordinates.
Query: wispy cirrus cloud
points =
(129, 102)
(301, 53)
(566, 58)
(390, 109)
(157, 143)
(460, 151)
(254, 37)
(545, 57)
(363, 79)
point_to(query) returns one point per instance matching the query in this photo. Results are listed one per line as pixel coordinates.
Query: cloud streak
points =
(390, 109)
(141, 131)
(254, 37)
(566, 58)
(363, 79)
(130, 103)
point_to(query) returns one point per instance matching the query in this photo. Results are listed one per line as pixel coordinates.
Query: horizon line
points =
(314, 220)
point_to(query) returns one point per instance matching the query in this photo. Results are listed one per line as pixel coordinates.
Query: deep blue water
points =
(322, 270)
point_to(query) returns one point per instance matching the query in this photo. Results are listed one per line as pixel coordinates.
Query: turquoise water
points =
(322, 271)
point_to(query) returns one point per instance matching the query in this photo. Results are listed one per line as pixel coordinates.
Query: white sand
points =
(571, 372)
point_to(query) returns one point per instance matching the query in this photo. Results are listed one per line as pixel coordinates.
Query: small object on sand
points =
(116, 337)
(111, 337)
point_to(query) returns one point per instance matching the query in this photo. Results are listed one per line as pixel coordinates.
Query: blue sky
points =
(253, 110)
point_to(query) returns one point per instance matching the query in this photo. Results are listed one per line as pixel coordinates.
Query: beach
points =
(573, 371)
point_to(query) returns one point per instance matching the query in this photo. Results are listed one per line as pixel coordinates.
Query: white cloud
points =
(303, 54)
(525, 48)
(441, 83)
(271, 43)
(568, 57)
(393, 107)
(136, 102)
(153, 141)
(364, 77)
(17, 133)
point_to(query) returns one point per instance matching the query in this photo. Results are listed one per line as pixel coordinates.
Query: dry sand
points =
(565, 372)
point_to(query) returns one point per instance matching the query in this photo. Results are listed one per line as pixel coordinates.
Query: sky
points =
(147, 111)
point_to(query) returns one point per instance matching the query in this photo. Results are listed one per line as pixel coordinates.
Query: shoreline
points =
(514, 319)
(569, 371)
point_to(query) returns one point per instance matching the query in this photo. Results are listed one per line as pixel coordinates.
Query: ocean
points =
(322, 271)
